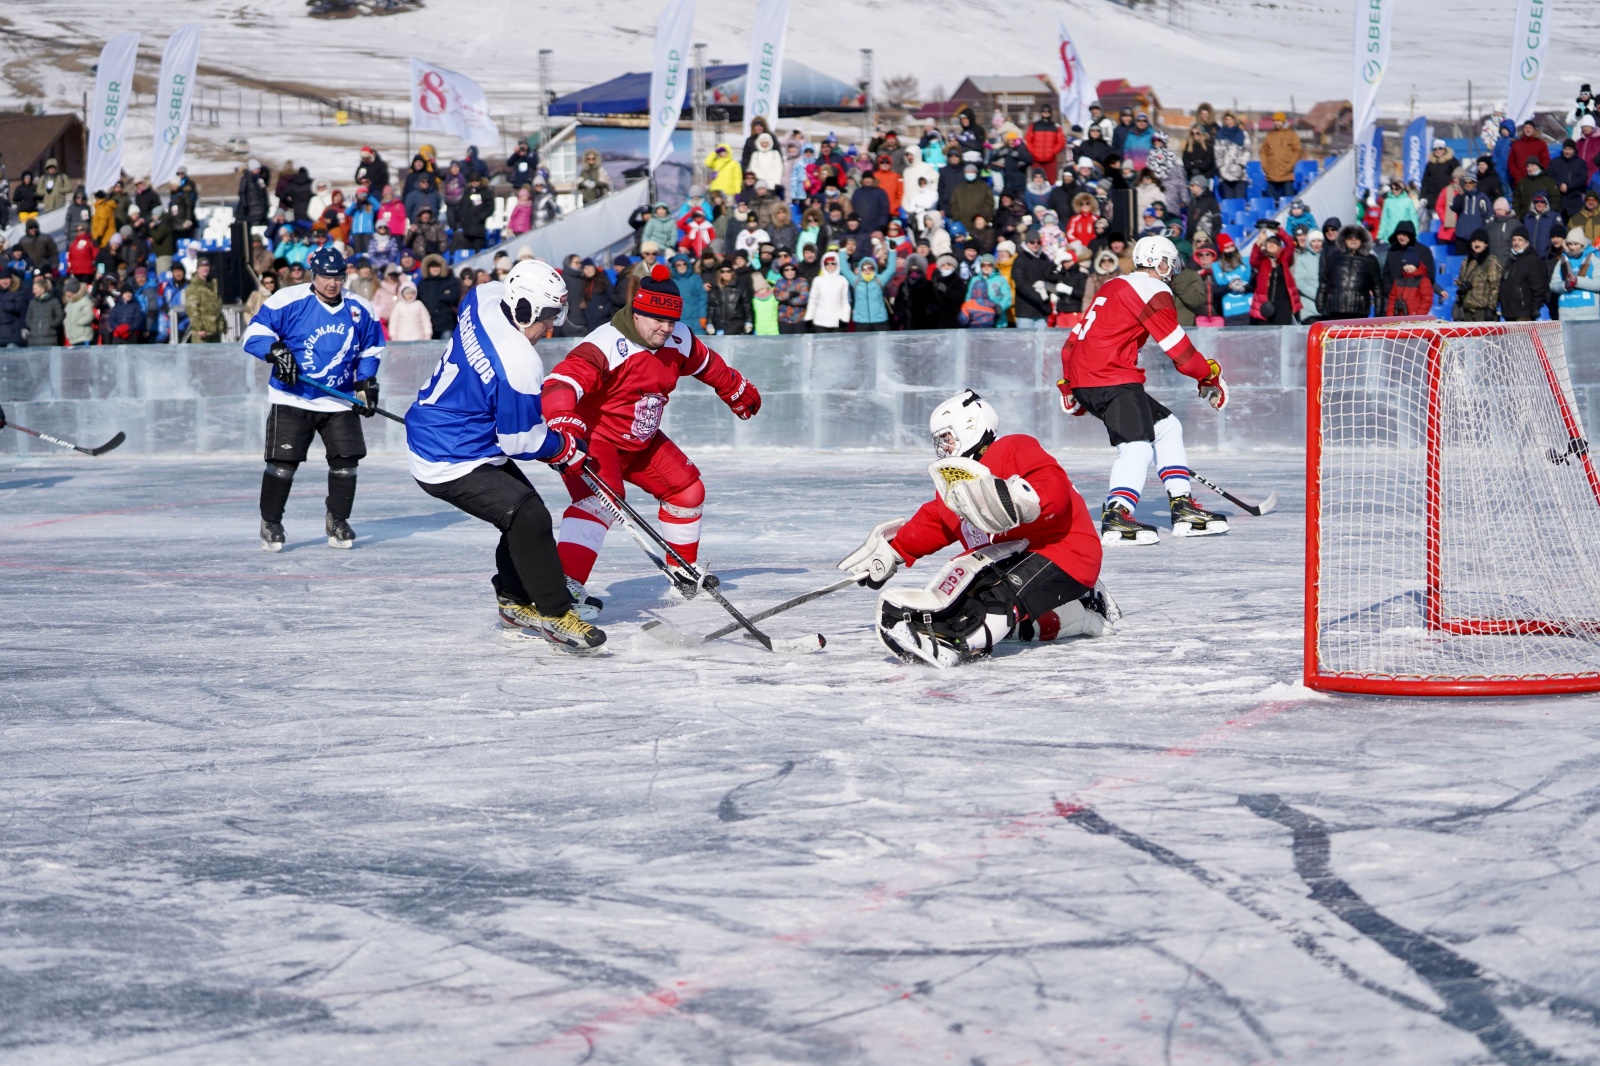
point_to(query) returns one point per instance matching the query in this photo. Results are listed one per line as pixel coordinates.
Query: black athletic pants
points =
(289, 433)
(1128, 411)
(527, 568)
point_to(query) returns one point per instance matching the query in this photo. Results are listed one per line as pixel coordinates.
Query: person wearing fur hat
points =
(1352, 281)
(611, 391)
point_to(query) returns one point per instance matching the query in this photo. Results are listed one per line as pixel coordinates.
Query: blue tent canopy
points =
(804, 90)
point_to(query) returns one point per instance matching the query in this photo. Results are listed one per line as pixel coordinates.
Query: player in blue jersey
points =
(322, 333)
(478, 413)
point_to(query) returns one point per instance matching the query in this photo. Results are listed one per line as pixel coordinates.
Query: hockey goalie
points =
(1032, 560)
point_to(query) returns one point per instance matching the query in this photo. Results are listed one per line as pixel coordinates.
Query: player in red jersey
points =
(1032, 562)
(1100, 375)
(610, 391)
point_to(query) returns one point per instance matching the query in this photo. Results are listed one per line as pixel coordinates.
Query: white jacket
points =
(828, 304)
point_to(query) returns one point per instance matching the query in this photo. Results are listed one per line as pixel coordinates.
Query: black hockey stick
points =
(1257, 509)
(641, 530)
(662, 631)
(106, 447)
(351, 400)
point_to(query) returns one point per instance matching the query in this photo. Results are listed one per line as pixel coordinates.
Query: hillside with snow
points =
(1260, 53)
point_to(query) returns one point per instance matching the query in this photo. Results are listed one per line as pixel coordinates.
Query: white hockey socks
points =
(1128, 472)
(1172, 459)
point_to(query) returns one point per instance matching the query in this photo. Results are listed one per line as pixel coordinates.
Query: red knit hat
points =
(1225, 243)
(658, 297)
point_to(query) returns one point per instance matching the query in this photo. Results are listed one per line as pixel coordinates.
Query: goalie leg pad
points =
(962, 614)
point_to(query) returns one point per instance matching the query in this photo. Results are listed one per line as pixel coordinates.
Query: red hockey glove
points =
(572, 452)
(1069, 402)
(569, 425)
(1213, 390)
(743, 399)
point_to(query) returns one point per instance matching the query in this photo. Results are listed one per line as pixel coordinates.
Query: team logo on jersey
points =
(647, 415)
(622, 347)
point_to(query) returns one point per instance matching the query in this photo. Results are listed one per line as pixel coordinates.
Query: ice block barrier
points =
(831, 391)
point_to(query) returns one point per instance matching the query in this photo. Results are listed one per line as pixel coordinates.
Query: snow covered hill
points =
(1259, 53)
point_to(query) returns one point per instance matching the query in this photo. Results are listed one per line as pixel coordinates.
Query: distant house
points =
(26, 141)
(1019, 96)
(1115, 94)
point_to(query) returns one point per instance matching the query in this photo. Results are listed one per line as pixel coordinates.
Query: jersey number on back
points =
(443, 375)
(1082, 328)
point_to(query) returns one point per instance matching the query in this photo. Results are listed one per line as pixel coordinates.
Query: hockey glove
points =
(876, 559)
(284, 367)
(2, 418)
(744, 400)
(1069, 402)
(573, 452)
(1213, 390)
(366, 391)
(569, 425)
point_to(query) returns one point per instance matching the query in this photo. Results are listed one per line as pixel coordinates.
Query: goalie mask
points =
(964, 426)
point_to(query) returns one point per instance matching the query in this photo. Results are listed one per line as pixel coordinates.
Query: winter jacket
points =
(1293, 224)
(1397, 208)
(1523, 149)
(1589, 223)
(727, 175)
(1499, 231)
(693, 291)
(1478, 289)
(1575, 280)
(872, 205)
(728, 309)
(661, 230)
(204, 308)
(125, 323)
(1352, 282)
(410, 320)
(1307, 272)
(971, 198)
(375, 172)
(1034, 278)
(1530, 187)
(869, 297)
(767, 164)
(296, 196)
(1136, 146)
(440, 295)
(105, 221)
(1394, 256)
(828, 302)
(1231, 158)
(1523, 287)
(593, 183)
(79, 318)
(418, 199)
(252, 205)
(40, 250)
(80, 256)
(1542, 229)
(998, 291)
(393, 214)
(1500, 155)
(1267, 277)
(1473, 211)
(43, 321)
(1436, 176)
(1280, 150)
(1410, 295)
(1574, 174)
(13, 312)
(792, 295)
(1045, 142)
(1012, 160)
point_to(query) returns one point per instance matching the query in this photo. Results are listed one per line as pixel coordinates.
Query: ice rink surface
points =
(310, 808)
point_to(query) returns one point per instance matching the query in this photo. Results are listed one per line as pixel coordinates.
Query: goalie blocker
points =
(1033, 555)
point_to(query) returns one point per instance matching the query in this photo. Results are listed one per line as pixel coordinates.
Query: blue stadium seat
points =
(1231, 206)
(1239, 218)
(1256, 177)
(1261, 207)
(1430, 238)
(1305, 172)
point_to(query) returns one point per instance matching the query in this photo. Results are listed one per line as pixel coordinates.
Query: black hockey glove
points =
(366, 391)
(2, 418)
(284, 367)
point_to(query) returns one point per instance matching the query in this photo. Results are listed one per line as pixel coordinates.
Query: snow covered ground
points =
(309, 807)
(1247, 52)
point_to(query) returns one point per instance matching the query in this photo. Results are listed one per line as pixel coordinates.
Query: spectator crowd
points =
(978, 224)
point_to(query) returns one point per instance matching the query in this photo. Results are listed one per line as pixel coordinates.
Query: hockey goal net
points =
(1452, 512)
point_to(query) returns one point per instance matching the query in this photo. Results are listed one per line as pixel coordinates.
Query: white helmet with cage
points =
(535, 292)
(1153, 252)
(963, 425)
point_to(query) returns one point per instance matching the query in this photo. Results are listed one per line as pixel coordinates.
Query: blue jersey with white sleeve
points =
(481, 405)
(338, 345)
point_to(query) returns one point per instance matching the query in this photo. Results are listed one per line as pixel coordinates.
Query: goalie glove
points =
(876, 559)
(1069, 402)
(1213, 390)
(972, 491)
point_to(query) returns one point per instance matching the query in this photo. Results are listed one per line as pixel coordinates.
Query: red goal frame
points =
(1435, 616)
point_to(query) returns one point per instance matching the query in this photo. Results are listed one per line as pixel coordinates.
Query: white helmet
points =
(535, 292)
(1153, 251)
(963, 425)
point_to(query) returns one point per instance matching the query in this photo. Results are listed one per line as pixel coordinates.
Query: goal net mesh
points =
(1455, 531)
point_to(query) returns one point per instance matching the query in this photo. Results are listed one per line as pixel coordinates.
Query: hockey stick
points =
(662, 631)
(1257, 509)
(351, 400)
(638, 528)
(106, 447)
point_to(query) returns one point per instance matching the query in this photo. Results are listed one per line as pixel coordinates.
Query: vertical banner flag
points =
(1369, 162)
(173, 95)
(1371, 58)
(1074, 98)
(1528, 47)
(763, 78)
(108, 107)
(669, 77)
(450, 103)
(1416, 149)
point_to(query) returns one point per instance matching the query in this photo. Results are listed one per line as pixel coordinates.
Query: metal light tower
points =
(544, 97)
(869, 112)
(697, 139)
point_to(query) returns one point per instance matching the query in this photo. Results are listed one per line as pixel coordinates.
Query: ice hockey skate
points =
(1190, 520)
(688, 583)
(340, 535)
(569, 632)
(272, 537)
(1118, 527)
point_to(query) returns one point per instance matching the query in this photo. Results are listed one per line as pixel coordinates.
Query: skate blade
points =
(1184, 529)
(1113, 539)
(335, 542)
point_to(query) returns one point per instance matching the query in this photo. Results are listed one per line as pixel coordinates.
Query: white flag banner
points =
(1528, 48)
(174, 93)
(1371, 62)
(451, 103)
(669, 77)
(763, 79)
(113, 94)
(1075, 97)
